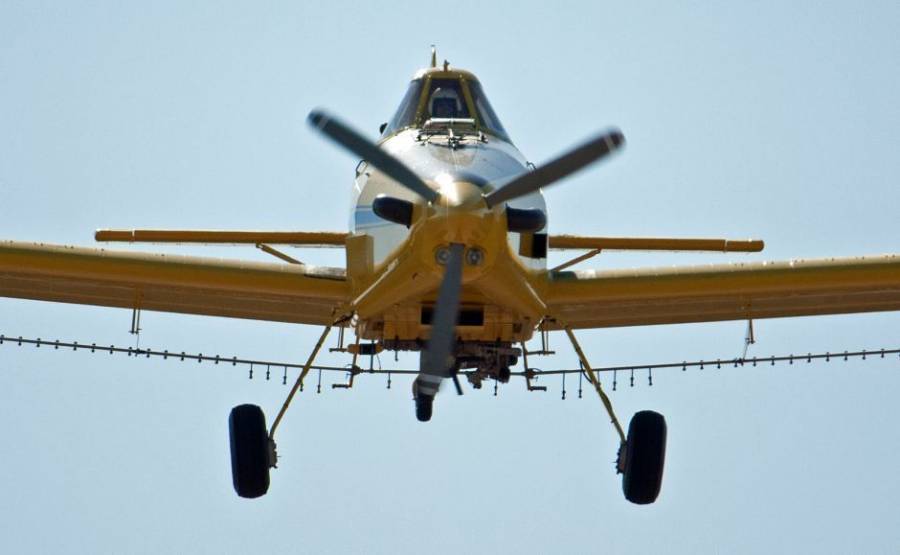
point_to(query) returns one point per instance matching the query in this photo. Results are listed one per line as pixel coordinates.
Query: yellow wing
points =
(597, 299)
(276, 292)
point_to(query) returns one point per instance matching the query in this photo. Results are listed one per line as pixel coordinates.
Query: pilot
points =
(445, 103)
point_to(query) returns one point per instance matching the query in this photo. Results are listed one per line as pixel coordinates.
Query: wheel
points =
(645, 456)
(249, 451)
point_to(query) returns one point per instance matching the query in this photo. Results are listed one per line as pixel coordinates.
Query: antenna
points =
(433, 56)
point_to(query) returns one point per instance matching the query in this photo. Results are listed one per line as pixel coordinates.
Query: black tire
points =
(645, 456)
(249, 451)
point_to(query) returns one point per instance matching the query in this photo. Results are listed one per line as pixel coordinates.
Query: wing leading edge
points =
(598, 299)
(161, 282)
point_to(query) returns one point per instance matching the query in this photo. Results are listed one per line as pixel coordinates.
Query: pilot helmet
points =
(444, 103)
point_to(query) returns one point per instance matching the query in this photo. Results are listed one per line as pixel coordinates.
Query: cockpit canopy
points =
(445, 94)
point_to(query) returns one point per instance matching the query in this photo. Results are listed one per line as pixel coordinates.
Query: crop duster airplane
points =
(447, 256)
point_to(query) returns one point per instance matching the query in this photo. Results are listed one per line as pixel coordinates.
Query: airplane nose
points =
(460, 194)
(461, 216)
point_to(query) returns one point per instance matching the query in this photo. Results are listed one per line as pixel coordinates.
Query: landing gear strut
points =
(252, 445)
(642, 453)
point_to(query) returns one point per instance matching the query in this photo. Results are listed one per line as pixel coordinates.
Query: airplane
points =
(446, 256)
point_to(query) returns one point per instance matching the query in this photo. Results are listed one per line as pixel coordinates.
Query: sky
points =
(768, 120)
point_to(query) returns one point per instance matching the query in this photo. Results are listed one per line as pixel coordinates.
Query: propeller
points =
(558, 168)
(563, 166)
(369, 151)
(437, 361)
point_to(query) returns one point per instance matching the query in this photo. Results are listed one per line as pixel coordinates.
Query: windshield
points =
(486, 114)
(405, 115)
(445, 99)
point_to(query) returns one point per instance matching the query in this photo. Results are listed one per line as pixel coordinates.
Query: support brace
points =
(135, 321)
(749, 339)
(596, 383)
(353, 368)
(586, 256)
(277, 254)
(529, 373)
(299, 382)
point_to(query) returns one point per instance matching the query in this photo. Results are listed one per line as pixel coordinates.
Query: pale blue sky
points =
(764, 120)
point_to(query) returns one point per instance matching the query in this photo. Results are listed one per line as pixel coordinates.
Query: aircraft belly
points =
(407, 323)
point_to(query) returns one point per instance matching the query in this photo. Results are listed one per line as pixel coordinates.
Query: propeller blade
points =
(437, 360)
(554, 170)
(370, 152)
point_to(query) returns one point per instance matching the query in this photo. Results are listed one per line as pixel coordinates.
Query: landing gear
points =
(252, 452)
(252, 445)
(642, 457)
(642, 453)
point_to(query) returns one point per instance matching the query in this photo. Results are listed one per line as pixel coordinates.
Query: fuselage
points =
(483, 163)
(446, 132)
